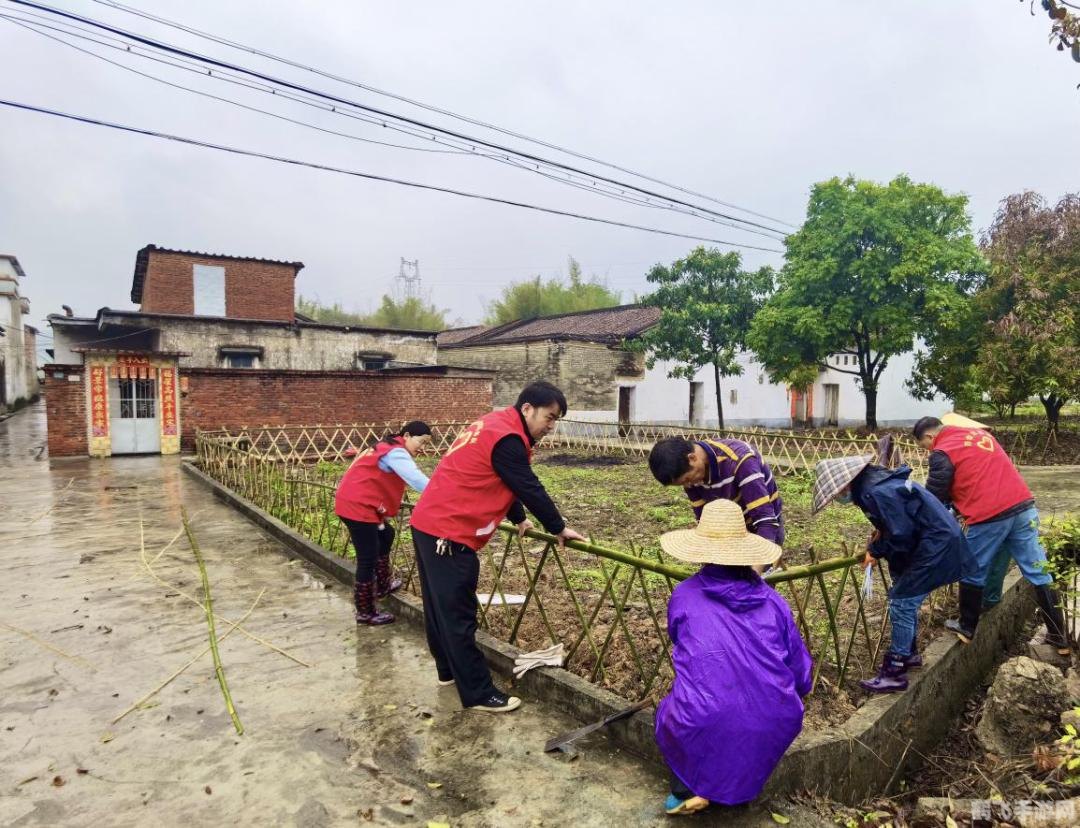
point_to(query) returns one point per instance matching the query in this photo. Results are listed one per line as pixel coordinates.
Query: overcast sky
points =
(748, 102)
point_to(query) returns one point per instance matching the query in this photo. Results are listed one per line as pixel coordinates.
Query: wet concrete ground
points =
(1056, 488)
(361, 736)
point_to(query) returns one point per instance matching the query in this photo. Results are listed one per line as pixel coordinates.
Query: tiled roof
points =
(142, 259)
(608, 326)
(453, 336)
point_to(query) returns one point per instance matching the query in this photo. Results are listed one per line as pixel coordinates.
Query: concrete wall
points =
(18, 345)
(588, 373)
(253, 289)
(298, 347)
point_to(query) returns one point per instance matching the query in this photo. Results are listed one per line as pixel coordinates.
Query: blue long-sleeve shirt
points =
(401, 463)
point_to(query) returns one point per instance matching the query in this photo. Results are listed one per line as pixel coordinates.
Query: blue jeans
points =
(904, 618)
(1019, 536)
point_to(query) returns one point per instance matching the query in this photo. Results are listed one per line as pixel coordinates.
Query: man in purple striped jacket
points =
(722, 470)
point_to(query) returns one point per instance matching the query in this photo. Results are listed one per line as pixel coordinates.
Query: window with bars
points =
(138, 399)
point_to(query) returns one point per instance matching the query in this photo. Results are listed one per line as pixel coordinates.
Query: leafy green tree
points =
(1031, 302)
(946, 364)
(706, 303)
(333, 314)
(405, 314)
(536, 297)
(873, 267)
(408, 314)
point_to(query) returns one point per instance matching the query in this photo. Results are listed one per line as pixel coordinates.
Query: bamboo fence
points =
(608, 607)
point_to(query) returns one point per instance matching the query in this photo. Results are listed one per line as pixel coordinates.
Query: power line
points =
(34, 27)
(371, 176)
(427, 127)
(413, 102)
(180, 63)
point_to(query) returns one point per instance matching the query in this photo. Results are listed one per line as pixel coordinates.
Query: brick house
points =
(216, 342)
(18, 341)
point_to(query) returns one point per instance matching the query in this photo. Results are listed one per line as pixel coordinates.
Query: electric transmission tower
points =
(408, 279)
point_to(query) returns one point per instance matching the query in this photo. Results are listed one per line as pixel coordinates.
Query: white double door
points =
(133, 416)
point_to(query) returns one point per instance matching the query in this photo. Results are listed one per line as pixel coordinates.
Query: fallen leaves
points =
(780, 819)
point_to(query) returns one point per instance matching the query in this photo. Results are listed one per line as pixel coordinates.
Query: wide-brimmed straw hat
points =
(720, 538)
(954, 419)
(835, 474)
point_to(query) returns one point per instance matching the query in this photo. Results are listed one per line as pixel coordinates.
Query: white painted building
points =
(18, 340)
(751, 399)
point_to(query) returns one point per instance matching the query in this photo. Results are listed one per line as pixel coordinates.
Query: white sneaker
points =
(444, 683)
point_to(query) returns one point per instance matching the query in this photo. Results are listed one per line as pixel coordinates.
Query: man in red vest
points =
(484, 477)
(970, 470)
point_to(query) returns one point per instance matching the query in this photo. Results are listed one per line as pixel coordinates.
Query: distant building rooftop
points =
(607, 326)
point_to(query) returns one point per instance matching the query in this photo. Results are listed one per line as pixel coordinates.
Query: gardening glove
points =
(551, 657)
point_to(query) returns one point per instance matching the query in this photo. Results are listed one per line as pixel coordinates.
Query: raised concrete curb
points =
(863, 757)
(889, 734)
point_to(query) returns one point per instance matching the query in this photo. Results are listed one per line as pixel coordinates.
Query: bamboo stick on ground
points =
(48, 646)
(54, 505)
(219, 669)
(178, 673)
(198, 603)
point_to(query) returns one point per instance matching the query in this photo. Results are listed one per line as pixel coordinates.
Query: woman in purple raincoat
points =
(741, 668)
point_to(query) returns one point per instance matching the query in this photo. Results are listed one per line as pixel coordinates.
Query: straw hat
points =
(954, 419)
(835, 474)
(720, 538)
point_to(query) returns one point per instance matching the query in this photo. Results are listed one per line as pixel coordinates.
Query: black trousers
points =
(448, 587)
(369, 542)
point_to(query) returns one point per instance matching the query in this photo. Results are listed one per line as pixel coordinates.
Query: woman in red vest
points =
(370, 491)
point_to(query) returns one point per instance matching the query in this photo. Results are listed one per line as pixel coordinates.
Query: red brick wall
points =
(253, 290)
(65, 407)
(232, 398)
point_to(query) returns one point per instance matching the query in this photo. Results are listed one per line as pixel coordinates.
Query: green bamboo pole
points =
(797, 573)
(219, 670)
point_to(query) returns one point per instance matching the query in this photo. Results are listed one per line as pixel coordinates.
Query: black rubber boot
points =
(1050, 604)
(970, 599)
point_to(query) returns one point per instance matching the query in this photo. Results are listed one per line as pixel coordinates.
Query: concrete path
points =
(361, 736)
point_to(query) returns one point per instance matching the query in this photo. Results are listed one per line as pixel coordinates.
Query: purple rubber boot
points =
(912, 662)
(891, 678)
(385, 582)
(366, 610)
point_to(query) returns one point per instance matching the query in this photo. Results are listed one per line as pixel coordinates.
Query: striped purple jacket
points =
(737, 472)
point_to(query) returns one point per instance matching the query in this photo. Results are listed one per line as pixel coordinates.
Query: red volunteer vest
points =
(367, 493)
(466, 500)
(986, 482)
